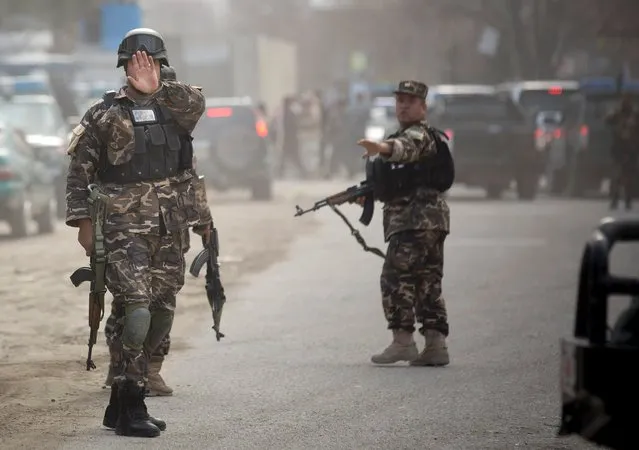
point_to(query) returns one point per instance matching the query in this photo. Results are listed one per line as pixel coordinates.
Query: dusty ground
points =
(44, 387)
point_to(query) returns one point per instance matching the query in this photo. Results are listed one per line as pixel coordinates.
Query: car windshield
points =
(33, 117)
(472, 107)
(541, 100)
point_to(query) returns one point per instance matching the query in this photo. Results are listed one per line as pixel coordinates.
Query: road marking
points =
(496, 242)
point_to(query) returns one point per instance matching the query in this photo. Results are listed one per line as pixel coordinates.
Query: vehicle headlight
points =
(375, 133)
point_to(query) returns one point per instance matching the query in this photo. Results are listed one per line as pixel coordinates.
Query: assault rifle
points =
(214, 289)
(353, 194)
(96, 272)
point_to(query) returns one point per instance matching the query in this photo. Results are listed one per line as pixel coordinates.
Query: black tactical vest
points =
(392, 180)
(162, 148)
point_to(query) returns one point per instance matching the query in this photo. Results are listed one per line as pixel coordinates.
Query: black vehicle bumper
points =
(222, 175)
(497, 170)
(600, 393)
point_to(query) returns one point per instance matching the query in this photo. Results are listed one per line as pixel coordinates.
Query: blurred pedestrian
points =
(625, 148)
(290, 145)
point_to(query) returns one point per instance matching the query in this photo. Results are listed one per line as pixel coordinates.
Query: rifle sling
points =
(358, 237)
(98, 204)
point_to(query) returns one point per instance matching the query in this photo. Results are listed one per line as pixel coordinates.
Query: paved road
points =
(294, 371)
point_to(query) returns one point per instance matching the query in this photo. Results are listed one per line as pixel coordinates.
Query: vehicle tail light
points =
(539, 133)
(261, 128)
(215, 113)
(584, 133)
(6, 174)
(557, 133)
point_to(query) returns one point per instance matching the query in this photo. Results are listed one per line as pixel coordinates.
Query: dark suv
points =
(231, 147)
(489, 137)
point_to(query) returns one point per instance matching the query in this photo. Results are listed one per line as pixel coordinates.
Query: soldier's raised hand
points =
(142, 74)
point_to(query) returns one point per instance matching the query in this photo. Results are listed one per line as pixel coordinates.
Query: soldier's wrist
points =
(386, 148)
(84, 223)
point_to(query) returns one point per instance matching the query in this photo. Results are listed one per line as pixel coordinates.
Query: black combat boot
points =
(133, 419)
(112, 412)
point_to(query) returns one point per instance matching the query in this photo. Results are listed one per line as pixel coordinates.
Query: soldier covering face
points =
(135, 148)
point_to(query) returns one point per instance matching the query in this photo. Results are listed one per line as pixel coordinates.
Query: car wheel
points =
(47, 218)
(493, 191)
(262, 189)
(20, 219)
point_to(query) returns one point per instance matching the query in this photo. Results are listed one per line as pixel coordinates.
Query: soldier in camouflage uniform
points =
(415, 227)
(136, 146)
(625, 147)
(113, 326)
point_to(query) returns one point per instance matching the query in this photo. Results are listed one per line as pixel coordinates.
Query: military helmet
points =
(142, 39)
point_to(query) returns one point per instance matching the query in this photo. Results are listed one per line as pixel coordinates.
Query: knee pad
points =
(136, 326)
(161, 323)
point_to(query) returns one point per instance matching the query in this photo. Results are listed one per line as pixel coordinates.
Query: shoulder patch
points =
(415, 133)
(76, 134)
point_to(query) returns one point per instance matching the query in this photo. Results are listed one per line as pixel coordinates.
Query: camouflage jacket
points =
(423, 209)
(179, 201)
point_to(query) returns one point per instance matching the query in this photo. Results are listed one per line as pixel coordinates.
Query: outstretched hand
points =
(142, 75)
(374, 148)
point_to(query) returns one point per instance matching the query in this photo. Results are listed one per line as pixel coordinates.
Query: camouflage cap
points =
(410, 87)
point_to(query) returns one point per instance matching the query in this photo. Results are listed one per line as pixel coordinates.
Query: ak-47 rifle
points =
(214, 289)
(363, 190)
(95, 273)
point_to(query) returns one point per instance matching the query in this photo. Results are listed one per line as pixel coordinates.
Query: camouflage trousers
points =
(411, 282)
(147, 270)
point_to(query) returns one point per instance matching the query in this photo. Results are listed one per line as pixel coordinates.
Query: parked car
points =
(26, 184)
(32, 108)
(231, 148)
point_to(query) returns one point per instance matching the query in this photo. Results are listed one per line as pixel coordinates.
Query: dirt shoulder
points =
(44, 387)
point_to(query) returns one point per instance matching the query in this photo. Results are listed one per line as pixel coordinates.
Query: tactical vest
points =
(162, 149)
(393, 180)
